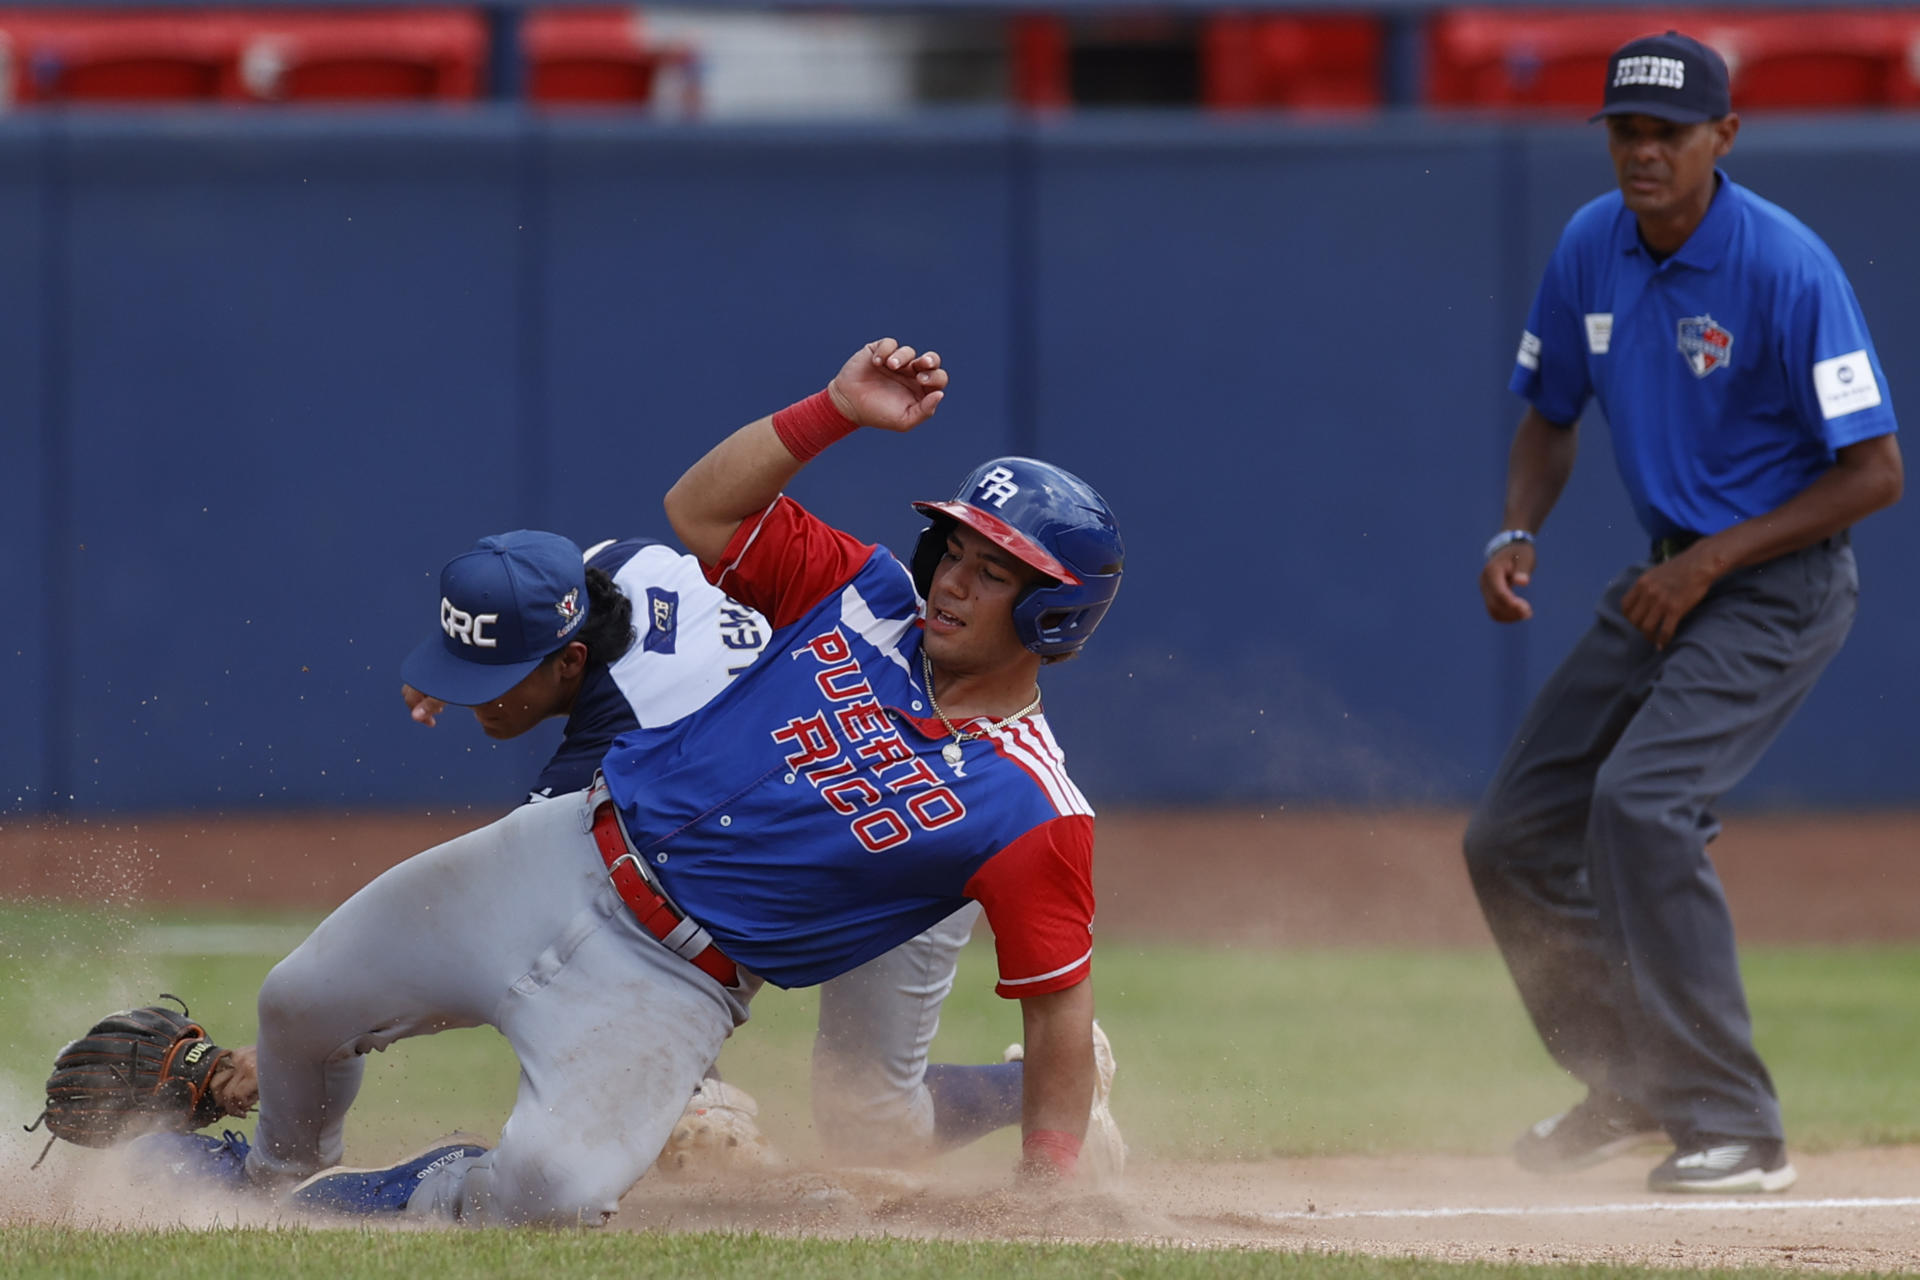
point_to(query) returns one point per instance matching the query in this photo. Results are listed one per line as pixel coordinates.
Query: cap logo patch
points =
(1706, 344)
(1664, 73)
(996, 487)
(467, 628)
(570, 611)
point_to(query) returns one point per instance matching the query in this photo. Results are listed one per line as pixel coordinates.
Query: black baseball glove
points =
(141, 1069)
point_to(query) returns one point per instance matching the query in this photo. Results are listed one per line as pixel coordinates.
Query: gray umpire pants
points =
(1588, 852)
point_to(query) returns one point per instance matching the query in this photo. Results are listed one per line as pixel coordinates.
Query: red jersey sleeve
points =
(1038, 895)
(786, 560)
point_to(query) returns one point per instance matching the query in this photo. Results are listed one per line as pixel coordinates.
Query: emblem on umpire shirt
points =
(1707, 345)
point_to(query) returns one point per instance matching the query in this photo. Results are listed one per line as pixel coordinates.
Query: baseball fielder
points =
(871, 775)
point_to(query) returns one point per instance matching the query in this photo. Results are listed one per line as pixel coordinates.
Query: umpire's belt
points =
(628, 875)
(1665, 549)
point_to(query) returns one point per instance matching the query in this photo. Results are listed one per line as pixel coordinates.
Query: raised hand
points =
(890, 386)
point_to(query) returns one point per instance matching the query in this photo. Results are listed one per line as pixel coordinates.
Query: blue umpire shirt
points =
(1729, 373)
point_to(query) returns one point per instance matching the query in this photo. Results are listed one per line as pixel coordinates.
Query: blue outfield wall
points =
(265, 374)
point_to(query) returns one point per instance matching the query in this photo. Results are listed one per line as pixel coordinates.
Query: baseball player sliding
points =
(881, 766)
(495, 650)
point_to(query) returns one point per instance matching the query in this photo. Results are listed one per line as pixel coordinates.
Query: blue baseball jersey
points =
(806, 817)
(689, 641)
(1729, 373)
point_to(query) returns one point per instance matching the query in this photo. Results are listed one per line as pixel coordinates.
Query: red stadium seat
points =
(140, 56)
(1533, 58)
(1039, 47)
(1294, 60)
(354, 56)
(1805, 60)
(586, 56)
(1555, 59)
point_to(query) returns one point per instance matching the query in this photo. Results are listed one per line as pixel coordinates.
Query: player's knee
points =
(571, 1202)
(285, 997)
(543, 1191)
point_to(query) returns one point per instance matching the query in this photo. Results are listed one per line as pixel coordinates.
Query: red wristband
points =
(1049, 1153)
(810, 425)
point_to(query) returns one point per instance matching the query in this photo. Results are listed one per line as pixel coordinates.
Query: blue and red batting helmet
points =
(1050, 519)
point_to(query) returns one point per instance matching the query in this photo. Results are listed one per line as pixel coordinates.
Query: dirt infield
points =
(1274, 879)
(1855, 1211)
(1258, 879)
(1864, 1215)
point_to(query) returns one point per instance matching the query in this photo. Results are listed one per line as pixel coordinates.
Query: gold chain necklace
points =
(951, 752)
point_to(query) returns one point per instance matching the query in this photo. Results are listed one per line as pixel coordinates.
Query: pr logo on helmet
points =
(996, 487)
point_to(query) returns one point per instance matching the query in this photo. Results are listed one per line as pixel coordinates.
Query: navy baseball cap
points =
(1672, 77)
(504, 607)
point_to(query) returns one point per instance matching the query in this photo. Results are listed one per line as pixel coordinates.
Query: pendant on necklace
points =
(951, 754)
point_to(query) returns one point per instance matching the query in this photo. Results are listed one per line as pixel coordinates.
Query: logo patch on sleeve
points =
(1845, 384)
(663, 620)
(1528, 356)
(1706, 344)
(1599, 331)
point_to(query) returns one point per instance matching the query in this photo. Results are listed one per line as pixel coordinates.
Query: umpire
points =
(1752, 428)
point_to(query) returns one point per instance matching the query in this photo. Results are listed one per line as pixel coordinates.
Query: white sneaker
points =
(1103, 1153)
(717, 1134)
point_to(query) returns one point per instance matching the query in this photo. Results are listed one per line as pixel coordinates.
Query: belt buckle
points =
(638, 868)
(1665, 549)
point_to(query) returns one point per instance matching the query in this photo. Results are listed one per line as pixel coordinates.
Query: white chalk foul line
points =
(1639, 1206)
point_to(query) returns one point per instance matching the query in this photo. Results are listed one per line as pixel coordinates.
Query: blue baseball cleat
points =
(192, 1158)
(363, 1192)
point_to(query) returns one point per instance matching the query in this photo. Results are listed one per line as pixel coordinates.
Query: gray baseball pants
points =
(1588, 851)
(877, 1024)
(513, 926)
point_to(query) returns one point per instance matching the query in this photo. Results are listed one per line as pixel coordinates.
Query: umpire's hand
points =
(1507, 570)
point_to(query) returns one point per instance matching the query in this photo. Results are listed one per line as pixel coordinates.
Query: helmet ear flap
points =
(927, 551)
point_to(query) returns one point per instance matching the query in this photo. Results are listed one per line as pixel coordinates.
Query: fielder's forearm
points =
(737, 478)
(1538, 466)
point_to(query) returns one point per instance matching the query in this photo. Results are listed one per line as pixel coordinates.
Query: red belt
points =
(655, 914)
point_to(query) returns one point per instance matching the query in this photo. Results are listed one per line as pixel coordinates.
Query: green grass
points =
(43, 1253)
(1223, 1053)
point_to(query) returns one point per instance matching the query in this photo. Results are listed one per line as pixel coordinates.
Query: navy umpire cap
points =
(1671, 77)
(504, 607)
